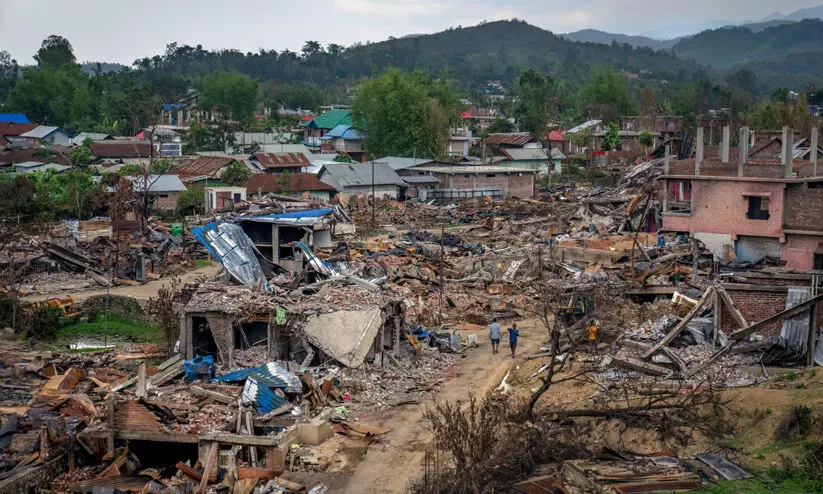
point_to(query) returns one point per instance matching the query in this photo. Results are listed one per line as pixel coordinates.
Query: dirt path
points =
(391, 465)
(142, 292)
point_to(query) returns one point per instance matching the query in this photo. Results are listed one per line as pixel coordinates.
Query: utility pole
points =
(373, 198)
(442, 254)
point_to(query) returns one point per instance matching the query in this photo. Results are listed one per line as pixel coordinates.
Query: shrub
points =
(796, 423)
(41, 323)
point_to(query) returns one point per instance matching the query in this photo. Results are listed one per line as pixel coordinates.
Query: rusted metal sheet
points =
(651, 487)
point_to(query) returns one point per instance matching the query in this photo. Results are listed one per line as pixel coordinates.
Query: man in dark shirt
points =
(513, 334)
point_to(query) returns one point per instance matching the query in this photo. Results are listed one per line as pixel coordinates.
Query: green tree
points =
(8, 74)
(211, 136)
(190, 201)
(403, 114)
(236, 174)
(536, 104)
(55, 50)
(233, 95)
(612, 138)
(500, 126)
(55, 96)
(343, 158)
(606, 94)
(130, 169)
(284, 181)
(81, 156)
(646, 139)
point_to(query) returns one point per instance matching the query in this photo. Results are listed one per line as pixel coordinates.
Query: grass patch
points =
(793, 485)
(117, 327)
(201, 263)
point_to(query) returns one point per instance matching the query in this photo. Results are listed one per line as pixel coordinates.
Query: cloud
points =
(388, 8)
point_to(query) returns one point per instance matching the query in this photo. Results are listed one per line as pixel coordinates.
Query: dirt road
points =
(391, 465)
(142, 292)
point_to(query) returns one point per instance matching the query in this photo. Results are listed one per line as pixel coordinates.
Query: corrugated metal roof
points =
(16, 129)
(28, 154)
(204, 166)
(18, 118)
(342, 131)
(281, 160)
(535, 154)
(330, 120)
(398, 163)
(94, 136)
(128, 483)
(353, 174)
(470, 170)
(512, 139)
(298, 182)
(159, 183)
(35, 166)
(260, 393)
(271, 373)
(43, 131)
(584, 126)
(121, 149)
(420, 179)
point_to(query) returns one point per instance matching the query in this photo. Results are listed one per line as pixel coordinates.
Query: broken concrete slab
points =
(346, 336)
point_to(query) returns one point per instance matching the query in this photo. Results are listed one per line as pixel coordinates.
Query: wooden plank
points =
(141, 380)
(193, 473)
(110, 423)
(785, 314)
(244, 486)
(254, 473)
(707, 295)
(738, 317)
(211, 464)
(212, 395)
(240, 440)
(160, 437)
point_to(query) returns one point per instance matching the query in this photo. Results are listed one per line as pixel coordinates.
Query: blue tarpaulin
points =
(308, 217)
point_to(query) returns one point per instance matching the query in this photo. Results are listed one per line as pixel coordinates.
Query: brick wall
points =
(755, 306)
(804, 208)
(713, 167)
(166, 201)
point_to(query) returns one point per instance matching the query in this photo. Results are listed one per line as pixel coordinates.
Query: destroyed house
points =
(347, 323)
(278, 236)
(748, 209)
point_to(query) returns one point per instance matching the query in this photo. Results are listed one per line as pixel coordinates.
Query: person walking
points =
(513, 334)
(494, 335)
(593, 335)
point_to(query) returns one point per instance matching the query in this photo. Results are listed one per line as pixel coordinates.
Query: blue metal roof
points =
(344, 131)
(18, 118)
(270, 374)
(265, 400)
(311, 214)
(172, 106)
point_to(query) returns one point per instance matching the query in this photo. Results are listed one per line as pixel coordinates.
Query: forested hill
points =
(731, 47)
(474, 55)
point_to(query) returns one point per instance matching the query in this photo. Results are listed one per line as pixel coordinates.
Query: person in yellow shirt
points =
(593, 327)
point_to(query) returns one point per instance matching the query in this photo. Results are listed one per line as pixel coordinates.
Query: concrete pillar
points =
(698, 157)
(724, 153)
(815, 139)
(666, 158)
(788, 150)
(743, 146)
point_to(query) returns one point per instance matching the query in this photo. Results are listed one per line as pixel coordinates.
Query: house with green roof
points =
(322, 124)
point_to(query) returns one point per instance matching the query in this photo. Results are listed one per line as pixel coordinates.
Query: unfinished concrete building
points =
(749, 209)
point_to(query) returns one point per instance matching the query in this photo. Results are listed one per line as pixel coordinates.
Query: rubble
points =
(288, 352)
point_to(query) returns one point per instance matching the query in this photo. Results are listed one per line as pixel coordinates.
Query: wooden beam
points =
(738, 317)
(212, 395)
(160, 437)
(707, 295)
(794, 311)
(210, 467)
(240, 440)
(141, 380)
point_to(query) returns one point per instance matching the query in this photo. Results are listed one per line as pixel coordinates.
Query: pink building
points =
(747, 209)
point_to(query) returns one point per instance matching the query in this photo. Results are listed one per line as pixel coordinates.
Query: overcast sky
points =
(120, 31)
